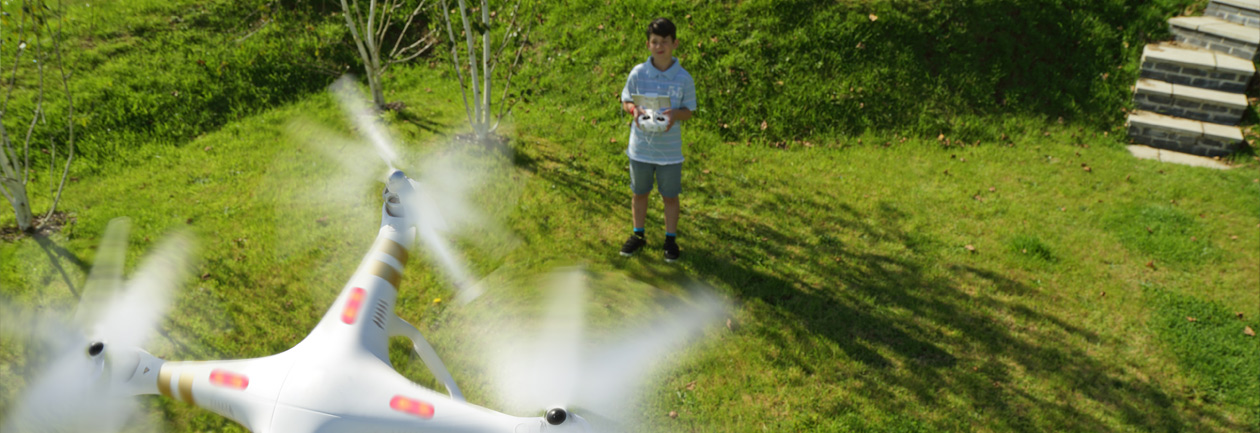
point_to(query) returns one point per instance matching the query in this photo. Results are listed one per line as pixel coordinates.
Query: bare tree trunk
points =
(12, 185)
(369, 38)
(480, 109)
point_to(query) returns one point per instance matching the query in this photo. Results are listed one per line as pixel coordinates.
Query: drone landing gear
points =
(400, 327)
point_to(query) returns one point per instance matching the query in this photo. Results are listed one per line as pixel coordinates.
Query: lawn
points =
(995, 272)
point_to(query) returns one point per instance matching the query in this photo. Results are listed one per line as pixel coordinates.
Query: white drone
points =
(337, 379)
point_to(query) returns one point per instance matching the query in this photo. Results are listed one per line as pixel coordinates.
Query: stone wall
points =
(1187, 108)
(1184, 74)
(1175, 140)
(1233, 14)
(1215, 43)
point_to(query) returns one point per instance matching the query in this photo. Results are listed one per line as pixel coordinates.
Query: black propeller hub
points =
(556, 416)
(96, 348)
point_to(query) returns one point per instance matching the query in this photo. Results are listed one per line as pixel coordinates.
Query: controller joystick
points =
(653, 121)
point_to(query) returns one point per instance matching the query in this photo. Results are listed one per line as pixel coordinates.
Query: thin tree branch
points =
(463, 88)
(17, 60)
(65, 84)
(394, 51)
(485, 63)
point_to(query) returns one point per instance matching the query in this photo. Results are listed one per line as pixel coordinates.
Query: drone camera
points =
(556, 416)
(96, 348)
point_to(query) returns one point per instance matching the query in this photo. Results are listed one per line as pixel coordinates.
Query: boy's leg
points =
(639, 205)
(671, 214)
(640, 185)
(669, 183)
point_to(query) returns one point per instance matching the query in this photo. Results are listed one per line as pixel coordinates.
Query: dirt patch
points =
(43, 226)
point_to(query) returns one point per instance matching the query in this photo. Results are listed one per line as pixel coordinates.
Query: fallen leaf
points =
(1150, 264)
(1234, 237)
(1102, 294)
(1239, 314)
(428, 90)
(1087, 169)
(691, 386)
(205, 276)
(970, 248)
(601, 27)
(872, 17)
(612, 140)
(323, 221)
(688, 16)
(1247, 330)
(1191, 319)
(705, 171)
(977, 197)
(673, 414)
(764, 125)
(992, 189)
(207, 149)
(1148, 230)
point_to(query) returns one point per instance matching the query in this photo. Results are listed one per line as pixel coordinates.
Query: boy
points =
(657, 155)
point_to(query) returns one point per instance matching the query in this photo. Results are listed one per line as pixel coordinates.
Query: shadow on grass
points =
(918, 329)
(57, 253)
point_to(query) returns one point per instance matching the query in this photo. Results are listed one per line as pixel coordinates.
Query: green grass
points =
(858, 304)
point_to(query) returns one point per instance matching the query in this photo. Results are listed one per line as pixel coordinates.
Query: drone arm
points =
(400, 327)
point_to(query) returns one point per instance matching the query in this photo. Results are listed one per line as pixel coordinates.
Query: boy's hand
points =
(681, 114)
(634, 111)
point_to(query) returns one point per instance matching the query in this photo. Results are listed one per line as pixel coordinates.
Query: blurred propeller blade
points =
(76, 392)
(557, 367)
(364, 118)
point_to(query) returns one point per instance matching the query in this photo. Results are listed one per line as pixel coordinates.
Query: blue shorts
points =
(668, 178)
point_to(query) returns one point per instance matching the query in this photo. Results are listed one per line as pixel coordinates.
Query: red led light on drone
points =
(351, 312)
(228, 379)
(411, 406)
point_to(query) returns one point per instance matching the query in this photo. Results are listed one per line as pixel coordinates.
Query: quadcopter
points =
(339, 378)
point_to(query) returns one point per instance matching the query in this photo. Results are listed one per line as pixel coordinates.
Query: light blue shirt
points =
(664, 147)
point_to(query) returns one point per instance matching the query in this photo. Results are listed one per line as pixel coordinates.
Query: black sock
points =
(639, 233)
(671, 238)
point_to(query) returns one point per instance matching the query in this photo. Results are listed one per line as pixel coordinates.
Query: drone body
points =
(339, 378)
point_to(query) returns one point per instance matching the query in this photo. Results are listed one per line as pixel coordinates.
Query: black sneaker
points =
(633, 244)
(671, 250)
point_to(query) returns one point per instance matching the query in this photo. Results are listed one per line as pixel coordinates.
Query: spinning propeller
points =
(86, 385)
(557, 368)
(437, 205)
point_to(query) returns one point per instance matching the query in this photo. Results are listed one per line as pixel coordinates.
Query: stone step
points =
(1189, 102)
(1183, 135)
(1245, 12)
(1181, 64)
(1218, 35)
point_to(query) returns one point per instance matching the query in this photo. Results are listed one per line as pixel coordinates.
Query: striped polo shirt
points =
(664, 147)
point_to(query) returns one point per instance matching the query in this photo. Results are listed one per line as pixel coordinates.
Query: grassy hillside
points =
(931, 260)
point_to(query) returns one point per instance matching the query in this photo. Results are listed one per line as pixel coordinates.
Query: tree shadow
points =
(57, 253)
(406, 114)
(915, 326)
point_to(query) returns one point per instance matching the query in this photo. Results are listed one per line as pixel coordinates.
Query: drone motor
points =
(556, 416)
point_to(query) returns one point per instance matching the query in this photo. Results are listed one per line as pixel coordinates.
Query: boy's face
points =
(662, 47)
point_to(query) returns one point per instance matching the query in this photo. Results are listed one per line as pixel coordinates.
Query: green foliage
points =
(810, 68)
(1208, 341)
(1032, 249)
(1164, 233)
(163, 73)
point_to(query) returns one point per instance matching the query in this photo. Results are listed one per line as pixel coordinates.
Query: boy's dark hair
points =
(662, 27)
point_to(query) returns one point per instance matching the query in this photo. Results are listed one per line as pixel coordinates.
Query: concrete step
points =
(1245, 12)
(1181, 64)
(1190, 102)
(1217, 35)
(1183, 135)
